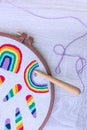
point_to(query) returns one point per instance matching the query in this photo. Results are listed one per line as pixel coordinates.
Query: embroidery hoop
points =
(21, 38)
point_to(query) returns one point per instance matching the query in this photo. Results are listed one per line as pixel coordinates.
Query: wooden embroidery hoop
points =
(21, 38)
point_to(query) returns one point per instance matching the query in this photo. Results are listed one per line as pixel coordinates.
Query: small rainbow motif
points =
(18, 120)
(28, 77)
(31, 105)
(2, 79)
(16, 89)
(10, 58)
(7, 124)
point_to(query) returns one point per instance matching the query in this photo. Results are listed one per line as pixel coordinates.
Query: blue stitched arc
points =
(5, 64)
(7, 125)
(32, 82)
(7, 61)
(29, 79)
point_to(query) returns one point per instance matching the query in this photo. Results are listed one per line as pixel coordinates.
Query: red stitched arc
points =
(11, 58)
(2, 79)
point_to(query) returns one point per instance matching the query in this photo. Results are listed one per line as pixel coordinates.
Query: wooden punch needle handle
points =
(74, 90)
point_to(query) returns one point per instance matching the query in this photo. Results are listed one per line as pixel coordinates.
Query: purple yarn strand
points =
(80, 60)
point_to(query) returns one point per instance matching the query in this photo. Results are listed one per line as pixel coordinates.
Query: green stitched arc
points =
(18, 119)
(39, 87)
(32, 105)
(11, 93)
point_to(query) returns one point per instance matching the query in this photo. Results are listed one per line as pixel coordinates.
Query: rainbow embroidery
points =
(16, 89)
(31, 105)
(10, 58)
(7, 124)
(2, 79)
(28, 77)
(18, 120)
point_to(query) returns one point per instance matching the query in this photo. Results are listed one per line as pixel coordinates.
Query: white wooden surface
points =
(45, 21)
